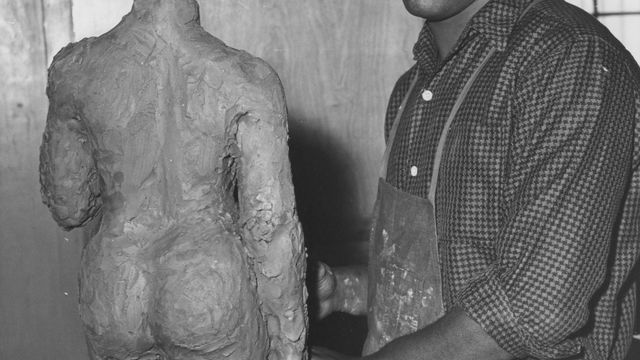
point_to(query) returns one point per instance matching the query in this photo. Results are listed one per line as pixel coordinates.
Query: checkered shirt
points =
(538, 198)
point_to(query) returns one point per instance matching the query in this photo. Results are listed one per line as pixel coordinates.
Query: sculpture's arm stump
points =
(68, 175)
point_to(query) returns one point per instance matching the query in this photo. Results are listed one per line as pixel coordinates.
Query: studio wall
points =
(338, 61)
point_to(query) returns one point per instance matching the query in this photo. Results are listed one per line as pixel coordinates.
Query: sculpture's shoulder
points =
(241, 73)
(241, 63)
(86, 68)
(67, 64)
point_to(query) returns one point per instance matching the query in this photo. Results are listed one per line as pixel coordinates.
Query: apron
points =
(405, 285)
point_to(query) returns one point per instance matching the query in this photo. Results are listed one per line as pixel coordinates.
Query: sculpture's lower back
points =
(177, 145)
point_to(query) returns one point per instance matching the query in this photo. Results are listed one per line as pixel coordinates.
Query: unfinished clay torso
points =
(179, 144)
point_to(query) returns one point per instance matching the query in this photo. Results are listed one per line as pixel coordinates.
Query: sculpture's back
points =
(178, 143)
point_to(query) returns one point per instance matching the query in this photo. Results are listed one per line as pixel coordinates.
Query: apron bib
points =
(405, 284)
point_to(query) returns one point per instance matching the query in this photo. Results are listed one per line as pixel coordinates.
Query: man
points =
(507, 222)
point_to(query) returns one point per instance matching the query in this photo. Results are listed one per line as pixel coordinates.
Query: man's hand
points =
(326, 290)
(320, 353)
(341, 289)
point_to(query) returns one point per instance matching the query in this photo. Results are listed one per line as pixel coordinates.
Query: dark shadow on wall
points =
(334, 231)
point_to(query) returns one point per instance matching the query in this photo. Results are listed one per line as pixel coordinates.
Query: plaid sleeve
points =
(568, 167)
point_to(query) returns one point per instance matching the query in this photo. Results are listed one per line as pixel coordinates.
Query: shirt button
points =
(427, 95)
(414, 171)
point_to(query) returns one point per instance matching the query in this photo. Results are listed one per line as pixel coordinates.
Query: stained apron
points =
(405, 284)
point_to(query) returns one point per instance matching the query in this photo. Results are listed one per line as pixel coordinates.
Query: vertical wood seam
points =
(57, 26)
(43, 28)
(72, 29)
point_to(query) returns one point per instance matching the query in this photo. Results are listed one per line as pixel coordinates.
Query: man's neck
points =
(446, 32)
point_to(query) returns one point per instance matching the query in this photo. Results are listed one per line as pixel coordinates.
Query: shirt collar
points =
(495, 21)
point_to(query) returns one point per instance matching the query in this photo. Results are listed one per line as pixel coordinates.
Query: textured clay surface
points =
(177, 145)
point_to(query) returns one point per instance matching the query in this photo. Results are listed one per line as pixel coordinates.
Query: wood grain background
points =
(338, 61)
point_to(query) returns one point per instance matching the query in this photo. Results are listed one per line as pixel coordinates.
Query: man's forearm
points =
(454, 337)
(351, 290)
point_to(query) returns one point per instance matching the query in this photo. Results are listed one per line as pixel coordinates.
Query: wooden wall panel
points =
(38, 311)
(338, 61)
(57, 26)
(95, 17)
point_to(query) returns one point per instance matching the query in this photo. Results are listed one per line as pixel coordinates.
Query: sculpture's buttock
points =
(189, 289)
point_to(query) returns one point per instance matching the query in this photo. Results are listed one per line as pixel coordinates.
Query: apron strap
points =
(443, 137)
(447, 125)
(526, 10)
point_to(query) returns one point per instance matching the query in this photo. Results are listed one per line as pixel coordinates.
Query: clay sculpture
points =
(177, 145)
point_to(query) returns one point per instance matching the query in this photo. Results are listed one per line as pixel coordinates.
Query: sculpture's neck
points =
(176, 12)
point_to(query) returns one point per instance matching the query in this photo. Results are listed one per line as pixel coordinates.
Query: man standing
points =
(507, 223)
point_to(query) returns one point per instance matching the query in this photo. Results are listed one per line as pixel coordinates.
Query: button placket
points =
(427, 96)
